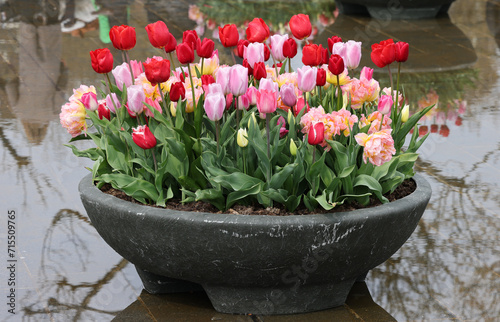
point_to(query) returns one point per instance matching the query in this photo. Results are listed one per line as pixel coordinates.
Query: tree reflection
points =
(68, 288)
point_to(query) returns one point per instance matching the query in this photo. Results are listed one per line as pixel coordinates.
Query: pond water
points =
(448, 270)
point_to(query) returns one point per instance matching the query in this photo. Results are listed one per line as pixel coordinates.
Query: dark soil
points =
(406, 188)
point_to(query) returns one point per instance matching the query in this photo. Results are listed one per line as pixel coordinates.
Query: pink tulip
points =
(109, 102)
(254, 53)
(215, 105)
(122, 76)
(277, 42)
(267, 101)
(268, 84)
(252, 95)
(384, 104)
(154, 103)
(214, 88)
(238, 80)
(222, 78)
(306, 78)
(366, 73)
(135, 99)
(352, 55)
(89, 100)
(339, 48)
(243, 102)
(136, 67)
(288, 95)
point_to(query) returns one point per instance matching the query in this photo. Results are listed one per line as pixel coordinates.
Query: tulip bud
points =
(185, 53)
(385, 104)
(405, 113)
(336, 65)
(402, 49)
(253, 120)
(293, 148)
(290, 48)
(173, 108)
(242, 138)
(289, 117)
(89, 100)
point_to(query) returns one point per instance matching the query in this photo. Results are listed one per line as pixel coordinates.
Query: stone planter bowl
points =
(255, 264)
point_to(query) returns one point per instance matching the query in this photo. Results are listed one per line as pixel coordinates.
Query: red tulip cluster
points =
(386, 52)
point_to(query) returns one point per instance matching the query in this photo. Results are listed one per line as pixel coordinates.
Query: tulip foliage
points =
(248, 133)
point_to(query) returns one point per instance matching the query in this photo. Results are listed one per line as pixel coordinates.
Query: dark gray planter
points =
(395, 9)
(255, 264)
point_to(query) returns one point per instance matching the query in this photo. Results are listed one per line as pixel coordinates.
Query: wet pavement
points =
(448, 270)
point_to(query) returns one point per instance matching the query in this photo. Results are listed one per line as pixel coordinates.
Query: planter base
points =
(278, 300)
(156, 284)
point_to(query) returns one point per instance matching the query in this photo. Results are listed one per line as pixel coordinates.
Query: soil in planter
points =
(404, 189)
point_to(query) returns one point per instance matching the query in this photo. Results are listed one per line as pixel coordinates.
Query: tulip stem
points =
(195, 105)
(130, 66)
(396, 101)
(202, 63)
(164, 101)
(217, 134)
(390, 77)
(314, 160)
(154, 159)
(339, 93)
(289, 64)
(172, 60)
(268, 120)
(112, 100)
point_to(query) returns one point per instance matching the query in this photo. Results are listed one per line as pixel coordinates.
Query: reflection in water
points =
(447, 270)
(66, 258)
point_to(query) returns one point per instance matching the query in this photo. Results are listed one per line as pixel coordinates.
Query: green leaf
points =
(243, 193)
(237, 181)
(279, 177)
(134, 187)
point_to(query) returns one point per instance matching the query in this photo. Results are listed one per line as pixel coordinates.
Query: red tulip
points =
(158, 34)
(205, 48)
(143, 137)
(324, 56)
(312, 55)
(122, 37)
(290, 48)
(267, 53)
(259, 71)
(402, 49)
(157, 70)
(321, 77)
(229, 35)
(177, 91)
(190, 37)
(242, 43)
(316, 133)
(383, 53)
(422, 130)
(444, 130)
(103, 111)
(171, 44)
(300, 26)
(257, 30)
(336, 65)
(332, 40)
(102, 60)
(185, 53)
(247, 66)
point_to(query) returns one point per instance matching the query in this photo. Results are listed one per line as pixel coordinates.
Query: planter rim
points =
(423, 191)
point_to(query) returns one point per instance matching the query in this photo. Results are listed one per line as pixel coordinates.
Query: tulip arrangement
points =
(249, 133)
